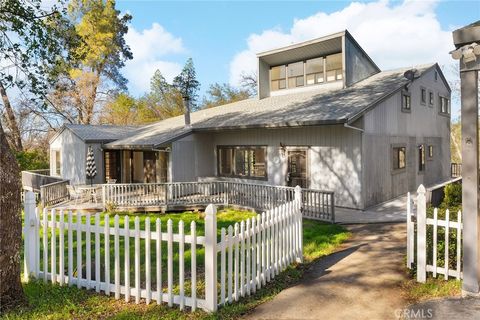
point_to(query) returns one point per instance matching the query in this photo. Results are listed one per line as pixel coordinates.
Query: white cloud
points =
(150, 49)
(394, 35)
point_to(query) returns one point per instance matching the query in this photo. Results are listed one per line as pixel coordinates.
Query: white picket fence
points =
(251, 253)
(417, 240)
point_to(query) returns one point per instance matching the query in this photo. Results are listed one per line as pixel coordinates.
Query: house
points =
(325, 117)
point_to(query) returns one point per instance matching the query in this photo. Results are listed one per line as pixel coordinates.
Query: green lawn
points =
(48, 301)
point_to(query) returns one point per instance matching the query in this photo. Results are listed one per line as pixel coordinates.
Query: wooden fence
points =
(424, 246)
(251, 254)
(54, 193)
(317, 204)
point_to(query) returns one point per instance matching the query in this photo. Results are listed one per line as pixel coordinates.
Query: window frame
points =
(244, 147)
(279, 79)
(430, 152)
(423, 90)
(395, 149)
(431, 102)
(409, 95)
(57, 170)
(442, 98)
(421, 158)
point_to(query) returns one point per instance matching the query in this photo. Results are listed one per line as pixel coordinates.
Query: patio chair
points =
(74, 194)
(111, 181)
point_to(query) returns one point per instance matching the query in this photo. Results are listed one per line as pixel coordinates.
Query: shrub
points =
(32, 160)
(453, 195)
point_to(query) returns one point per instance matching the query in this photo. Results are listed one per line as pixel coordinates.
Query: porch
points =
(176, 196)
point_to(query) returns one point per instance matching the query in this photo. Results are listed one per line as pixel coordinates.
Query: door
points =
(149, 167)
(112, 166)
(297, 168)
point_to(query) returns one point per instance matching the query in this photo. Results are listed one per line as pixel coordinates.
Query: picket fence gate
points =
(251, 253)
(417, 239)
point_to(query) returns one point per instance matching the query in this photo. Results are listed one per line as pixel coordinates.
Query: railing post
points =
(103, 196)
(299, 206)
(30, 244)
(211, 258)
(421, 234)
(333, 206)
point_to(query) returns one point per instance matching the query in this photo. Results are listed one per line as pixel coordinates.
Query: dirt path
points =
(362, 281)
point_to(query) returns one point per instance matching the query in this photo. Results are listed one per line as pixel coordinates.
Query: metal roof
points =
(100, 133)
(314, 107)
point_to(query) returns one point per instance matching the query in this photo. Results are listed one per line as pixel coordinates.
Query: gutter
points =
(346, 125)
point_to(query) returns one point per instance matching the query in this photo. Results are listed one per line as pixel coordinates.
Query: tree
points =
(121, 110)
(248, 82)
(28, 43)
(220, 94)
(91, 74)
(187, 84)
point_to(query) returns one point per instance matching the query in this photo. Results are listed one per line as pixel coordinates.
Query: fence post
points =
(421, 234)
(30, 244)
(211, 258)
(299, 203)
(410, 233)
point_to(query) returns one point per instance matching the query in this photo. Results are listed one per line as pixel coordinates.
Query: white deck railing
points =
(66, 248)
(317, 204)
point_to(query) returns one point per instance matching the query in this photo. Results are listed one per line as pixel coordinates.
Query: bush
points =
(32, 160)
(453, 195)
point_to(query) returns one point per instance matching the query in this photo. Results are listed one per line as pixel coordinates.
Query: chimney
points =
(186, 103)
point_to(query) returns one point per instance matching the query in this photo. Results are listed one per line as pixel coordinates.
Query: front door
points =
(149, 167)
(297, 168)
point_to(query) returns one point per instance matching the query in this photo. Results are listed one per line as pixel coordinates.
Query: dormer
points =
(331, 62)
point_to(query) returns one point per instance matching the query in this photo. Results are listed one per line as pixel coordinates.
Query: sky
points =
(223, 37)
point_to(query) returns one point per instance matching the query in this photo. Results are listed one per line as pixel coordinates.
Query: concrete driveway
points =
(361, 281)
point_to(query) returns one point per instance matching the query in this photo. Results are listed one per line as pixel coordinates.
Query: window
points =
(58, 162)
(277, 77)
(430, 151)
(295, 74)
(430, 98)
(444, 104)
(406, 101)
(399, 160)
(436, 75)
(314, 70)
(423, 96)
(421, 158)
(334, 67)
(247, 162)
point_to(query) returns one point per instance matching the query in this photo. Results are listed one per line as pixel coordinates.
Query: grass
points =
(46, 301)
(433, 288)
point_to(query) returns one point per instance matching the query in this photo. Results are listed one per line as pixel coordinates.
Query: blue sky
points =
(222, 36)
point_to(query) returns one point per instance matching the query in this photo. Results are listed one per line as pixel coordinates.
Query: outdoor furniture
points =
(74, 194)
(89, 190)
(111, 180)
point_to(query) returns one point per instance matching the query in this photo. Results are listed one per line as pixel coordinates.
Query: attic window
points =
(278, 78)
(295, 74)
(406, 102)
(314, 70)
(334, 67)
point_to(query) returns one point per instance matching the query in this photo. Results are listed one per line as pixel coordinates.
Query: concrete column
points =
(470, 182)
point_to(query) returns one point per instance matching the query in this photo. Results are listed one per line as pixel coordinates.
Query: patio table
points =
(89, 189)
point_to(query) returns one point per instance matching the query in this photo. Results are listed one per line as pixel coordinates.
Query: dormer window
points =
(278, 78)
(295, 75)
(307, 72)
(334, 67)
(314, 70)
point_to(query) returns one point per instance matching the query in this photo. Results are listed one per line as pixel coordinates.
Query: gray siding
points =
(334, 157)
(387, 126)
(358, 65)
(73, 152)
